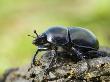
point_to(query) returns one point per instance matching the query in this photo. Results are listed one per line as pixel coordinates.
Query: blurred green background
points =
(18, 18)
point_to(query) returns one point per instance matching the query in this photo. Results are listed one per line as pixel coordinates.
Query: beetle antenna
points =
(32, 36)
(36, 33)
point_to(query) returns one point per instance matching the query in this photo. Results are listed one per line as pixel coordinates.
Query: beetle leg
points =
(40, 48)
(47, 69)
(34, 59)
(79, 55)
(95, 54)
(52, 61)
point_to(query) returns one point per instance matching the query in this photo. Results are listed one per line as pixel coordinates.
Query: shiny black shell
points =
(83, 38)
(57, 35)
(74, 35)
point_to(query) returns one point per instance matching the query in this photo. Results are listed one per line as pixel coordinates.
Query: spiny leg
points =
(40, 48)
(79, 55)
(34, 58)
(95, 54)
(48, 68)
(52, 61)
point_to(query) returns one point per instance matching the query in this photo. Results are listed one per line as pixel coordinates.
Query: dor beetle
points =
(75, 41)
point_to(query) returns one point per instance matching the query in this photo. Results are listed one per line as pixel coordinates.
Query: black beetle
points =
(75, 41)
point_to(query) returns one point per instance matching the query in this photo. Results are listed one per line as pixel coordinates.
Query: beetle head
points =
(39, 39)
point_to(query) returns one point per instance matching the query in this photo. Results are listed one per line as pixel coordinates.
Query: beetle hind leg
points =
(95, 54)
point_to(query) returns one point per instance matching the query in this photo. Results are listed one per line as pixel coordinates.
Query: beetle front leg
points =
(40, 48)
(34, 58)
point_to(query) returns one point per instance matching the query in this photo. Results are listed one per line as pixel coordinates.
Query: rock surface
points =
(63, 70)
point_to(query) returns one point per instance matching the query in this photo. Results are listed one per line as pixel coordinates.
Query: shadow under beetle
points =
(75, 41)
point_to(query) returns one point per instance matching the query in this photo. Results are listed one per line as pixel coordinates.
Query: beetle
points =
(75, 41)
